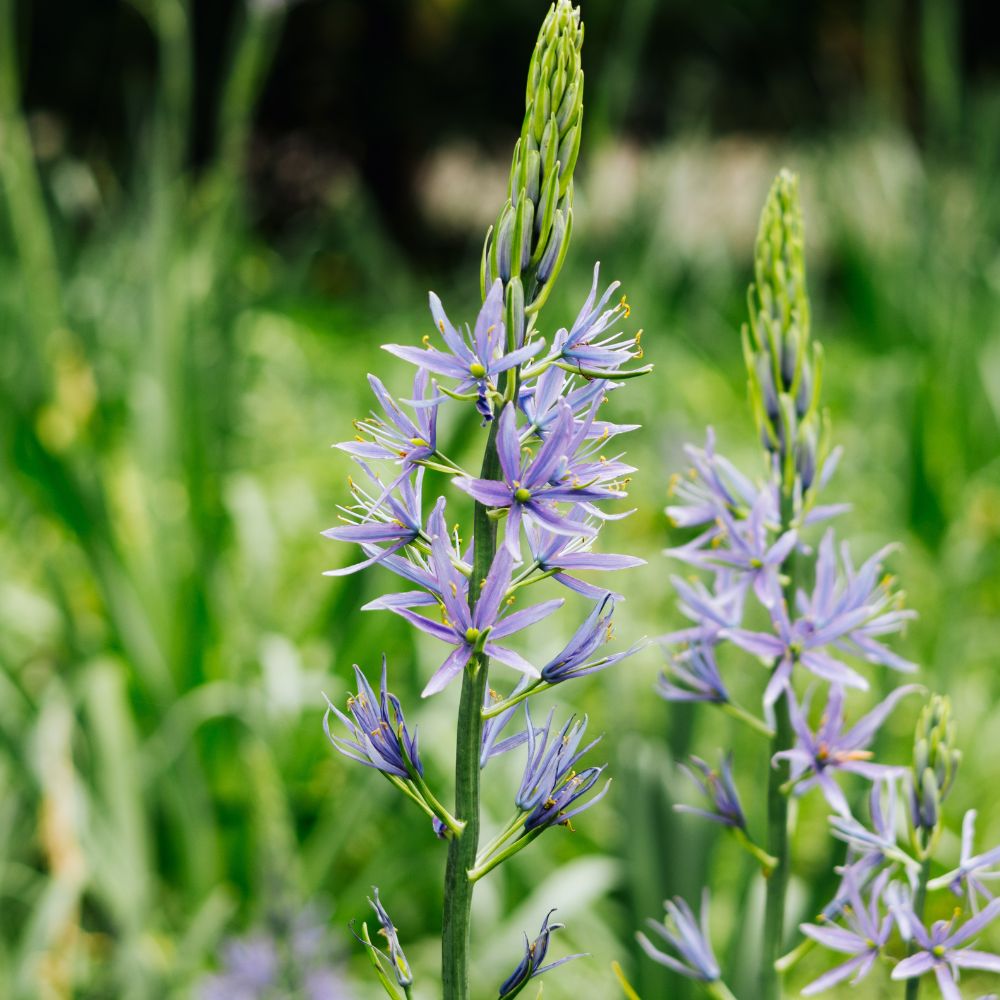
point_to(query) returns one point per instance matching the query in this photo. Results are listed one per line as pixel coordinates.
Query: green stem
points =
(919, 902)
(777, 847)
(767, 863)
(786, 962)
(740, 713)
(475, 874)
(501, 706)
(719, 990)
(462, 849)
(777, 811)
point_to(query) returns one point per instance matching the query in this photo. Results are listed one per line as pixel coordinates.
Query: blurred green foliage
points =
(169, 386)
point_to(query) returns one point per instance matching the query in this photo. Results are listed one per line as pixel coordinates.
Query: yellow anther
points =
(425, 340)
(454, 589)
(624, 304)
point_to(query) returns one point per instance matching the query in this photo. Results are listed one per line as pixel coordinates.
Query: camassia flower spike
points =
(543, 466)
(765, 589)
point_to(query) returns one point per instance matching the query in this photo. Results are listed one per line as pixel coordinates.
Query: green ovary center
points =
(521, 495)
(476, 370)
(471, 635)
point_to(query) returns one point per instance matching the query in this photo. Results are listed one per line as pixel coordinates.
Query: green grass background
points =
(170, 384)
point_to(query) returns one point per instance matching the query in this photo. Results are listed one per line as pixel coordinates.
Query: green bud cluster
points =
(935, 763)
(526, 246)
(784, 366)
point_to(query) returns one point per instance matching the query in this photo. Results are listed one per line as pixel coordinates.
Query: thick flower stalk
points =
(538, 500)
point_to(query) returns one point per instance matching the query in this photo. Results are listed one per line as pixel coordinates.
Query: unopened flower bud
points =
(532, 230)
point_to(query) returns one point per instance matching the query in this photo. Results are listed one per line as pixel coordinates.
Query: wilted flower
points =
(575, 658)
(720, 790)
(534, 955)
(396, 959)
(550, 785)
(378, 739)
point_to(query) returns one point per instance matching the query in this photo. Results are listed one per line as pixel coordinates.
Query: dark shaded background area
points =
(380, 84)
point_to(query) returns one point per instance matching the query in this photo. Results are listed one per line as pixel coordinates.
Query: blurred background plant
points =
(210, 218)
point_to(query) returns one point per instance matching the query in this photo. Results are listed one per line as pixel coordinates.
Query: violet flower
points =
(818, 755)
(688, 937)
(527, 489)
(560, 553)
(693, 675)
(384, 521)
(399, 438)
(841, 613)
(715, 486)
(744, 546)
(539, 401)
(720, 790)
(973, 870)
(575, 659)
(476, 359)
(491, 745)
(377, 739)
(941, 951)
(581, 345)
(469, 630)
(866, 934)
